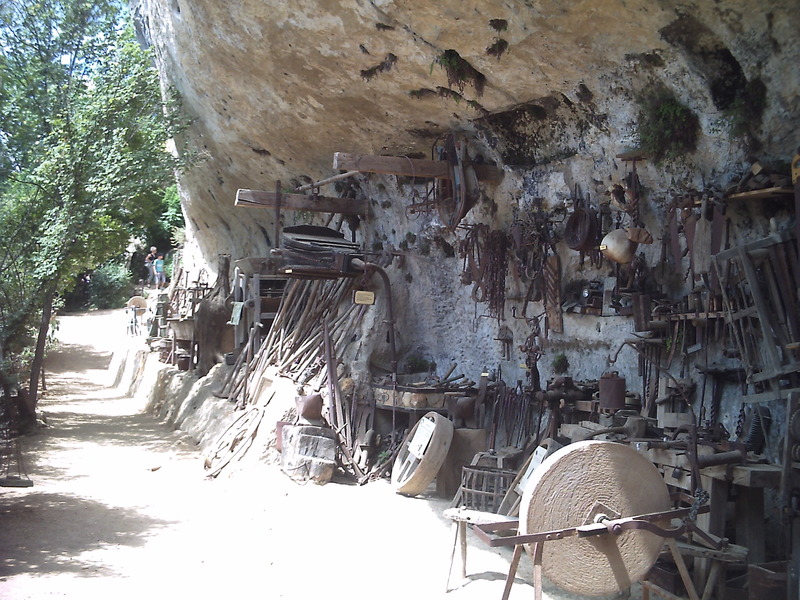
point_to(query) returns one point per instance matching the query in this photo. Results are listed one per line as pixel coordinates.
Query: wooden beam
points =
(753, 476)
(409, 167)
(773, 192)
(392, 165)
(262, 199)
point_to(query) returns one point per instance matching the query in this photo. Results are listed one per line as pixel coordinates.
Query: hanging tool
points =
(796, 183)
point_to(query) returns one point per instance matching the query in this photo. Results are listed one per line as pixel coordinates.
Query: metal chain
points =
(740, 422)
(701, 497)
(495, 276)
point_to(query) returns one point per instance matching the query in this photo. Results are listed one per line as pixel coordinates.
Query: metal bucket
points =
(612, 391)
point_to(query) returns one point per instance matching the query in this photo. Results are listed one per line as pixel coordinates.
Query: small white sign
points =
(536, 460)
(422, 437)
(363, 297)
(236, 313)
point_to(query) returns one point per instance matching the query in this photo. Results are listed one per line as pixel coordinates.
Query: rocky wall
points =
(550, 95)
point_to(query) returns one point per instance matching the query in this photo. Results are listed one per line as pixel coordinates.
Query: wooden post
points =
(311, 203)
(713, 521)
(276, 241)
(409, 167)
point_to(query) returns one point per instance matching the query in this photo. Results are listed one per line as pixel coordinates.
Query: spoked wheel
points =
(235, 441)
(422, 453)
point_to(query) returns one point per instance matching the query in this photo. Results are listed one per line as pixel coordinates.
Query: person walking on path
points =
(149, 262)
(158, 266)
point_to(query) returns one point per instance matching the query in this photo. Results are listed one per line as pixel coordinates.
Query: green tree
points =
(83, 161)
(160, 234)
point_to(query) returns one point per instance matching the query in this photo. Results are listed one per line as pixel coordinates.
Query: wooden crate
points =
(483, 488)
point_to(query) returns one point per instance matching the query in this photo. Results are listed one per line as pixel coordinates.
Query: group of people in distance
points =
(156, 275)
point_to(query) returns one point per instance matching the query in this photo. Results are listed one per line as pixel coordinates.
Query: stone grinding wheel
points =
(139, 303)
(572, 487)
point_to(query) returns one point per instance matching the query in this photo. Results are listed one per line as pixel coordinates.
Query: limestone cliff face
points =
(276, 87)
(548, 91)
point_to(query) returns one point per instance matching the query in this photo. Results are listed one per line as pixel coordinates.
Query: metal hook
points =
(476, 319)
(529, 320)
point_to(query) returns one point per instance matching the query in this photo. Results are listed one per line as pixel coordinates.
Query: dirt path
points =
(121, 508)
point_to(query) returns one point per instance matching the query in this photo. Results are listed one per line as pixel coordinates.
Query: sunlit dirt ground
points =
(121, 508)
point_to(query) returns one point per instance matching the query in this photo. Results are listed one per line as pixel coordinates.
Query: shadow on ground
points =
(47, 532)
(136, 430)
(68, 429)
(76, 357)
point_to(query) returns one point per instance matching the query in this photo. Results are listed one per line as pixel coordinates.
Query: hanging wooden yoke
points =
(455, 176)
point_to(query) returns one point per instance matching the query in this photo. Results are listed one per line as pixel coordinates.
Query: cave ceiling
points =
(274, 88)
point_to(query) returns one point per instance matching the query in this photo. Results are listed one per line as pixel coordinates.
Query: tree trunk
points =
(5, 384)
(210, 318)
(38, 358)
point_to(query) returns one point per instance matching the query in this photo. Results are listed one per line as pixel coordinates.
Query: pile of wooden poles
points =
(294, 343)
(312, 326)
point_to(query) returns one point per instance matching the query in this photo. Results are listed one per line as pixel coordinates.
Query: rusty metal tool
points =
(796, 183)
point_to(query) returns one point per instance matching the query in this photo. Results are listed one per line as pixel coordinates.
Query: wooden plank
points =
(675, 458)
(408, 167)
(730, 553)
(465, 445)
(749, 516)
(745, 312)
(477, 517)
(768, 343)
(754, 476)
(577, 432)
(775, 374)
(552, 289)
(673, 420)
(648, 586)
(776, 237)
(677, 478)
(683, 570)
(262, 199)
(769, 396)
(609, 284)
(392, 165)
(714, 520)
(788, 293)
(773, 192)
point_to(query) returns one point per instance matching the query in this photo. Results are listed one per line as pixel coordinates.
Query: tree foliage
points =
(83, 154)
(161, 233)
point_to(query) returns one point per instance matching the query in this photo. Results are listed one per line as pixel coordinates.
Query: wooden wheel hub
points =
(588, 482)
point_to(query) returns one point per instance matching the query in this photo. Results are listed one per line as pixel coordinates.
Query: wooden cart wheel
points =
(421, 454)
(575, 486)
(234, 441)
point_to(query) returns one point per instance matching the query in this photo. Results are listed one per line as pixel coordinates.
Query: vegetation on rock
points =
(747, 109)
(460, 72)
(667, 129)
(498, 47)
